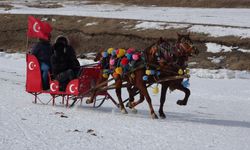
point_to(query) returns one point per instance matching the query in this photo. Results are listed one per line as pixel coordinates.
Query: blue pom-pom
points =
(113, 53)
(152, 72)
(129, 56)
(145, 78)
(185, 83)
(104, 54)
(158, 73)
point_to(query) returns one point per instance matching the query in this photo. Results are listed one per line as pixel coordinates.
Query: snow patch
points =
(220, 74)
(216, 48)
(216, 60)
(143, 25)
(91, 24)
(216, 31)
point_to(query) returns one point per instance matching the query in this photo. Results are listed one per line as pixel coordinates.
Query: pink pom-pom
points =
(111, 61)
(130, 50)
(135, 56)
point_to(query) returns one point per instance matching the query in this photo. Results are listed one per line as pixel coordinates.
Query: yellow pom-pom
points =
(118, 70)
(121, 53)
(110, 50)
(155, 90)
(105, 75)
(187, 71)
(115, 75)
(148, 72)
(180, 72)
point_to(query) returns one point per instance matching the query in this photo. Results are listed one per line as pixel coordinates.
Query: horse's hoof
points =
(134, 110)
(162, 115)
(89, 101)
(124, 111)
(129, 105)
(181, 103)
(154, 116)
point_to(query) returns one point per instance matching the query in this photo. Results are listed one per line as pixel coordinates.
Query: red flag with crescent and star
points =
(38, 29)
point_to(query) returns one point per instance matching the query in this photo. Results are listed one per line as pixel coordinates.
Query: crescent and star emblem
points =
(52, 87)
(72, 89)
(36, 27)
(31, 65)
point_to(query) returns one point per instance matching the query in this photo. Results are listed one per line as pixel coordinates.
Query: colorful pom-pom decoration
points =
(104, 54)
(110, 50)
(145, 78)
(187, 71)
(152, 72)
(148, 72)
(124, 61)
(113, 52)
(115, 75)
(135, 56)
(158, 73)
(129, 56)
(155, 90)
(120, 52)
(186, 83)
(118, 70)
(130, 50)
(105, 75)
(111, 61)
(180, 72)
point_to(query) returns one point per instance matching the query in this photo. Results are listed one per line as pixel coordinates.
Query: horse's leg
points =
(187, 94)
(143, 90)
(131, 92)
(162, 100)
(118, 90)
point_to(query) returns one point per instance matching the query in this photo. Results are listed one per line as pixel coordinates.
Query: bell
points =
(155, 90)
(180, 72)
(105, 75)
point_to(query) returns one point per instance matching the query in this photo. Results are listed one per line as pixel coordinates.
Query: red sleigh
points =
(76, 89)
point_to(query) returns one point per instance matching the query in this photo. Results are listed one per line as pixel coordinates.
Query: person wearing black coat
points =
(43, 51)
(65, 65)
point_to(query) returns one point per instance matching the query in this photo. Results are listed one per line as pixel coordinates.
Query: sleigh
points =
(76, 90)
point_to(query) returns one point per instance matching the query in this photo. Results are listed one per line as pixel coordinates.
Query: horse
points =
(169, 59)
(136, 82)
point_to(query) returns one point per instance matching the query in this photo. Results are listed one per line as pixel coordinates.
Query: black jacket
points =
(43, 51)
(63, 59)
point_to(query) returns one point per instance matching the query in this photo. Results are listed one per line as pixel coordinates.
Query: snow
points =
(216, 117)
(216, 31)
(212, 21)
(216, 48)
(216, 60)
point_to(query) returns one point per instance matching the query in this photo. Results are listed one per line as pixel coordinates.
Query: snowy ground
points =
(216, 117)
(212, 21)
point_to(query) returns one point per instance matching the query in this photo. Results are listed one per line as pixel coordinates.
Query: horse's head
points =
(157, 51)
(185, 45)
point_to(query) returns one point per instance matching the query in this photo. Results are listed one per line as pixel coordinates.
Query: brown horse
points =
(137, 82)
(169, 59)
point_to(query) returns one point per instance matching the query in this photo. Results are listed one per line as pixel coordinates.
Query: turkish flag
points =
(38, 29)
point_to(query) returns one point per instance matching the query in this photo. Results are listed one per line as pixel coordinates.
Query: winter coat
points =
(64, 59)
(43, 51)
